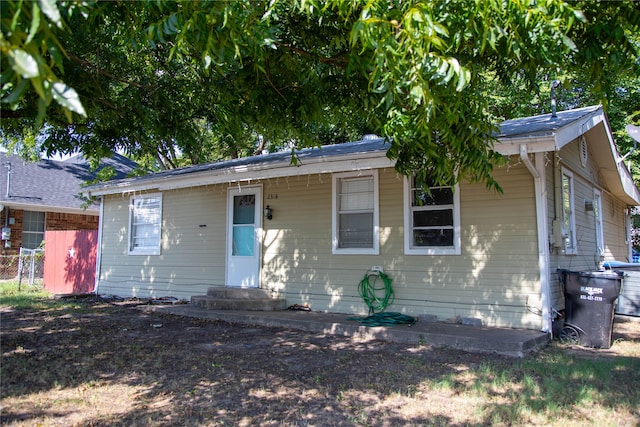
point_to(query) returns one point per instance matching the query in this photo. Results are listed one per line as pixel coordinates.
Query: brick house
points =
(42, 196)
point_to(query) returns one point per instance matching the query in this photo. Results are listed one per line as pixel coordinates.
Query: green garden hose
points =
(369, 289)
(385, 319)
(371, 286)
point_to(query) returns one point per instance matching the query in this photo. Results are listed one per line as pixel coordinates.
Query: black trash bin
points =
(590, 298)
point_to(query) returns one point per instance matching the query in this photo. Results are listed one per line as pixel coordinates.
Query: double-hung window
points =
(32, 229)
(355, 213)
(597, 213)
(145, 224)
(568, 214)
(432, 218)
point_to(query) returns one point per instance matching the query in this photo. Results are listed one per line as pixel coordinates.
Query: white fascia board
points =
(629, 186)
(576, 129)
(534, 144)
(613, 171)
(93, 211)
(364, 161)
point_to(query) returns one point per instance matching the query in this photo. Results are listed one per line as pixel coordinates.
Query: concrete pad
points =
(504, 341)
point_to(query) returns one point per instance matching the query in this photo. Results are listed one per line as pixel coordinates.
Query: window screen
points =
(32, 229)
(146, 217)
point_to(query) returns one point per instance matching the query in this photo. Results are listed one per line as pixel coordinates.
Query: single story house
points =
(45, 195)
(310, 232)
(36, 197)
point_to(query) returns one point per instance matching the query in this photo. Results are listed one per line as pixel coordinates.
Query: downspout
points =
(538, 173)
(99, 248)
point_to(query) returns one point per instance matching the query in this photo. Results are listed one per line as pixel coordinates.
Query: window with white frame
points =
(145, 222)
(568, 213)
(431, 218)
(597, 213)
(32, 229)
(355, 213)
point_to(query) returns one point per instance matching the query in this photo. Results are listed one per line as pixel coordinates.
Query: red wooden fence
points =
(70, 261)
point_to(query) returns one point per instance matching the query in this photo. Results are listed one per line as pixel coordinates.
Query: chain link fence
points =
(27, 267)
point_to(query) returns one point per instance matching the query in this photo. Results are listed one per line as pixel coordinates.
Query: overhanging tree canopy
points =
(205, 79)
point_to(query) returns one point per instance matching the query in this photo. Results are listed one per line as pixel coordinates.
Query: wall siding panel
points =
(586, 179)
(495, 278)
(193, 246)
(481, 282)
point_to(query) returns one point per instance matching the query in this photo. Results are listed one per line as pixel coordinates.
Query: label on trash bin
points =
(591, 293)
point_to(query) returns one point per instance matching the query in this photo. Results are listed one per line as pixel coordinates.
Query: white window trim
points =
(32, 233)
(408, 233)
(155, 250)
(572, 248)
(597, 199)
(335, 249)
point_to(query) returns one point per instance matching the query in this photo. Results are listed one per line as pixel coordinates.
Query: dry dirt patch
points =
(110, 364)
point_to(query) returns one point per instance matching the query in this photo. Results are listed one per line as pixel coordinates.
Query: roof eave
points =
(615, 174)
(552, 140)
(91, 210)
(257, 172)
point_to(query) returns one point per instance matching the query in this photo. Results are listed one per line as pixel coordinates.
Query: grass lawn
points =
(86, 361)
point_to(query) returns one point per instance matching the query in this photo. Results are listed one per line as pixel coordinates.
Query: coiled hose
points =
(369, 290)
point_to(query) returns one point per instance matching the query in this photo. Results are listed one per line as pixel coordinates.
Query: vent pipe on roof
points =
(554, 85)
(8, 165)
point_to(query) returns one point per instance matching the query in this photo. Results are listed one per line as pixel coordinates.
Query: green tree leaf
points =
(67, 97)
(50, 9)
(24, 64)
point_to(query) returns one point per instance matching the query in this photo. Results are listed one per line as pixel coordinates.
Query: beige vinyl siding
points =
(553, 177)
(614, 224)
(193, 246)
(495, 278)
(585, 257)
(586, 179)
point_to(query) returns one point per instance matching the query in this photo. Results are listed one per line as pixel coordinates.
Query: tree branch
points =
(335, 60)
(268, 75)
(105, 73)
(12, 114)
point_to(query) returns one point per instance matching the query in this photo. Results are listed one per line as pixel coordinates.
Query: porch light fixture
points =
(268, 213)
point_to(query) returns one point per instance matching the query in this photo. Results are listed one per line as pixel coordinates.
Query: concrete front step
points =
(238, 293)
(249, 299)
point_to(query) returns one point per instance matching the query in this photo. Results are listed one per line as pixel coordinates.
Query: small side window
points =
(32, 229)
(568, 214)
(597, 213)
(145, 224)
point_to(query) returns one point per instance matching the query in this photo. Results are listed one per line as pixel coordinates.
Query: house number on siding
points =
(271, 196)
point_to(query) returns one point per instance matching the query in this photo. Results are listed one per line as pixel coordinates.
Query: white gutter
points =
(256, 172)
(91, 211)
(538, 173)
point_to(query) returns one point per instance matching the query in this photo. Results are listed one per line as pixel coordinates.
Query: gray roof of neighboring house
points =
(52, 185)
